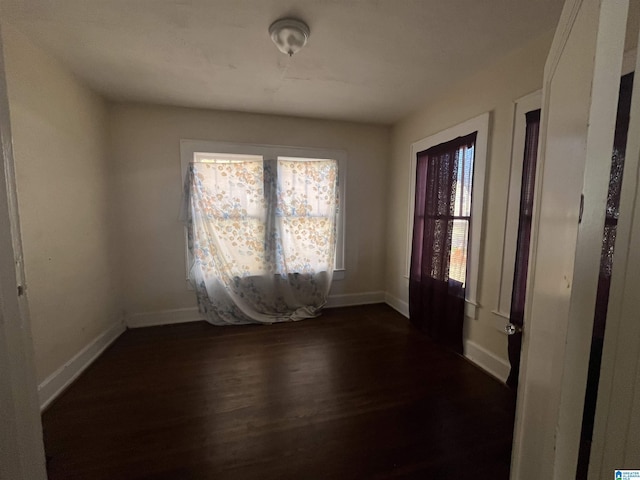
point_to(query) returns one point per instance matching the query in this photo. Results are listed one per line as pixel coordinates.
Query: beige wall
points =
(493, 89)
(59, 139)
(146, 155)
(66, 184)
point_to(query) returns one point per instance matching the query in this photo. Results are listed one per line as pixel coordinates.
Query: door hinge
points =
(581, 208)
(20, 290)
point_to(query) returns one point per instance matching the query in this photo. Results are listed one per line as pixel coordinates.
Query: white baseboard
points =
(191, 314)
(163, 317)
(353, 299)
(59, 380)
(399, 305)
(486, 360)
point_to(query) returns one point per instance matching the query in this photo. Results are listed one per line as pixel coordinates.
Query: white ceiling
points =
(366, 60)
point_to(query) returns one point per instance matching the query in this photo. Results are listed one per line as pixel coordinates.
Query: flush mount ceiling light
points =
(289, 35)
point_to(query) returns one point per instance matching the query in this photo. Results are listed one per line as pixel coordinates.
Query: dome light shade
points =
(289, 35)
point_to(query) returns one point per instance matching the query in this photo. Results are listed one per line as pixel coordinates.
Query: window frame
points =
(188, 148)
(479, 124)
(521, 106)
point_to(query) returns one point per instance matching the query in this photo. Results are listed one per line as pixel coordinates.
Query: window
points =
(462, 215)
(306, 198)
(522, 106)
(467, 232)
(237, 210)
(304, 179)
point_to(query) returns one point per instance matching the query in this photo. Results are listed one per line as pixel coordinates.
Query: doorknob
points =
(511, 329)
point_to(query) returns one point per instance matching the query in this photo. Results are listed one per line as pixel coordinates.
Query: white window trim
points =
(478, 124)
(532, 101)
(271, 152)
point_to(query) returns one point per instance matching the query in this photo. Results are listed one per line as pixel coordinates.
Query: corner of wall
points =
(60, 144)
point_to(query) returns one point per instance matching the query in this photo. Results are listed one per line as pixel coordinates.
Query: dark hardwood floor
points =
(356, 393)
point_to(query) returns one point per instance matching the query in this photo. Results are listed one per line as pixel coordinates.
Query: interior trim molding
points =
(191, 314)
(353, 299)
(64, 376)
(471, 309)
(398, 305)
(486, 360)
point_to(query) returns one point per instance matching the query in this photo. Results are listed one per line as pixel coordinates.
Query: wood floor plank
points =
(355, 393)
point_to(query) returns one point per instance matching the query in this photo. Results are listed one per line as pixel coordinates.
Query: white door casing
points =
(21, 445)
(581, 83)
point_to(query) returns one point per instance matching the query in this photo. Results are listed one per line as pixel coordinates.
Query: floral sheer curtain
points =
(442, 222)
(261, 236)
